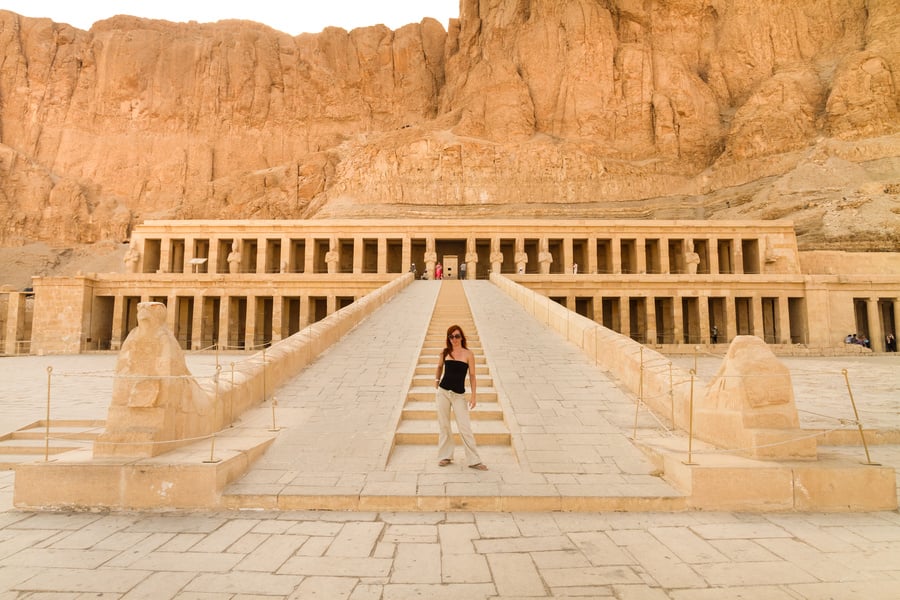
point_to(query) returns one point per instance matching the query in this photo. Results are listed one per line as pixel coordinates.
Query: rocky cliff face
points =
(587, 108)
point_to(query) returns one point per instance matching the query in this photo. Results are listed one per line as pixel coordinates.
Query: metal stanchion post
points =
(856, 416)
(275, 427)
(212, 446)
(47, 421)
(690, 460)
(640, 399)
(671, 395)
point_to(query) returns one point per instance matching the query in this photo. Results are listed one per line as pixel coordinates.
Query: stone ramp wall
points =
(665, 388)
(267, 370)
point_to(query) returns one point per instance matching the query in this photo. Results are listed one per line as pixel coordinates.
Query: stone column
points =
(677, 320)
(713, 246)
(381, 268)
(284, 259)
(616, 258)
(357, 255)
(171, 311)
(737, 256)
(625, 315)
(118, 319)
(224, 326)
(756, 308)
(876, 336)
(664, 256)
(277, 311)
(406, 253)
(330, 305)
(703, 312)
(15, 321)
(197, 323)
(430, 257)
(640, 255)
(165, 253)
(650, 319)
(591, 266)
(212, 265)
(250, 326)
(304, 311)
(730, 326)
(309, 257)
(568, 256)
(188, 255)
(262, 250)
(784, 320)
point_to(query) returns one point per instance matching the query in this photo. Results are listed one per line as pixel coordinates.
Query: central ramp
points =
(418, 425)
(356, 430)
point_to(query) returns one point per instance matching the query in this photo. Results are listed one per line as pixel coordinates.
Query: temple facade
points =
(670, 284)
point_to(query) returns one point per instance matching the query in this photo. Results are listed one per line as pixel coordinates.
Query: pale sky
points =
(290, 16)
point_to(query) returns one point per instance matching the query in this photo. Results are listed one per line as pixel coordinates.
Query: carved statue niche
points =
(545, 258)
(132, 260)
(496, 256)
(691, 258)
(234, 258)
(332, 257)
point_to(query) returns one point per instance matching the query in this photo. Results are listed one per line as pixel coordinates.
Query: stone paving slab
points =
(243, 555)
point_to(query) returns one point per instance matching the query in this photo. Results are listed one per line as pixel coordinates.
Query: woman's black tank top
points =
(455, 376)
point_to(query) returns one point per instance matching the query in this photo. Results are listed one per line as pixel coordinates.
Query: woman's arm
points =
(440, 369)
(472, 379)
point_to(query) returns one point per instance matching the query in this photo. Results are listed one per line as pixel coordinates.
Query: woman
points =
(438, 272)
(450, 381)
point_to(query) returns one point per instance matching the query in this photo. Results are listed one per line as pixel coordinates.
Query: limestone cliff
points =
(601, 108)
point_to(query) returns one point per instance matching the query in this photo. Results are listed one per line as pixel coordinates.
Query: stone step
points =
(421, 432)
(421, 410)
(424, 394)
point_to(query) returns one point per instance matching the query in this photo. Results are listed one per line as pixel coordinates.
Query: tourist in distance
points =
(450, 384)
(438, 271)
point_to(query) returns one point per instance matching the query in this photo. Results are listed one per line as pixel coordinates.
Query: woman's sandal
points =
(444, 462)
(479, 467)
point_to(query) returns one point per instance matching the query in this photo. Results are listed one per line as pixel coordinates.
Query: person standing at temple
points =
(438, 271)
(455, 362)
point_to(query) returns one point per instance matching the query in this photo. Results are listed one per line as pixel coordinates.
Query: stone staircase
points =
(30, 443)
(418, 423)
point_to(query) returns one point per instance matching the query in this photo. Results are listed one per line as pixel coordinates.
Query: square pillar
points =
(382, 255)
(703, 311)
(713, 251)
(568, 256)
(758, 329)
(640, 253)
(357, 255)
(664, 258)
(224, 328)
(591, 266)
(115, 342)
(730, 328)
(277, 306)
(616, 251)
(197, 323)
(213, 263)
(309, 258)
(678, 319)
(15, 321)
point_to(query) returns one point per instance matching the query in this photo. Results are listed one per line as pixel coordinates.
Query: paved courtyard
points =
(253, 554)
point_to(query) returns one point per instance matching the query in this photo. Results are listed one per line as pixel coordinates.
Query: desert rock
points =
(679, 108)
